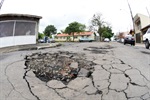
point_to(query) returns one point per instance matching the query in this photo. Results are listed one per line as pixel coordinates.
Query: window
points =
(138, 25)
(6, 28)
(25, 28)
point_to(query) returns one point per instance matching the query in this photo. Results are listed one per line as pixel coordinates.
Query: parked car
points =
(41, 41)
(46, 40)
(129, 39)
(106, 40)
(85, 39)
(146, 39)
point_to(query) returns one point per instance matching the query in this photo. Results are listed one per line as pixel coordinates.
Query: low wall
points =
(17, 40)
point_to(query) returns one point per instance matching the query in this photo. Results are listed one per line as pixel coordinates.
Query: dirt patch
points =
(62, 66)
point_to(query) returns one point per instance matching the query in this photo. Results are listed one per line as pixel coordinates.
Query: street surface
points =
(121, 72)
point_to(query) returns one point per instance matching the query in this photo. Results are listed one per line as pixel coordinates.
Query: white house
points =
(18, 29)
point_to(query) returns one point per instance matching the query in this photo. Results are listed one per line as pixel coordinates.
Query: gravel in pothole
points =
(62, 66)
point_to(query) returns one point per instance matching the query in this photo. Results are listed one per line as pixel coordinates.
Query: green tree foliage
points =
(107, 32)
(49, 30)
(98, 24)
(40, 35)
(75, 27)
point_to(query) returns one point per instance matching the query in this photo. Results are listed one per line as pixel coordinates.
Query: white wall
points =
(17, 40)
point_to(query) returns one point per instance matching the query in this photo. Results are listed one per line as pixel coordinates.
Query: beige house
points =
(140, 21)
(77, 36)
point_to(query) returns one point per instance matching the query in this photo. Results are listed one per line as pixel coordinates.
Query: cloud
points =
(62, 12)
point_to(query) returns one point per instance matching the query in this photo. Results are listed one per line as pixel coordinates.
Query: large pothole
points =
(62, 66)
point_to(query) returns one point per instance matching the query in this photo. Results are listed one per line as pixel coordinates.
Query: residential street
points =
(117, 72)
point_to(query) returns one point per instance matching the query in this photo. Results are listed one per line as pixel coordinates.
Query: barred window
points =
(6, 28)
(25, 28)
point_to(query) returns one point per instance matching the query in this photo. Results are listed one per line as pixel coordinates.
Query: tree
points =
(97, 24)
(40, 35)
(49, 30)
(75, 27)
(107, 32)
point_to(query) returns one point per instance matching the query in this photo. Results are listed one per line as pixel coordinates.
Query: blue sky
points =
(62, 12)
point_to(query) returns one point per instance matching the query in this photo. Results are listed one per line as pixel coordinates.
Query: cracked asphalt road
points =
(121, 73)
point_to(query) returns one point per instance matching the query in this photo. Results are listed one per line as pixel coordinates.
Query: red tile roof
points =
(76, 34)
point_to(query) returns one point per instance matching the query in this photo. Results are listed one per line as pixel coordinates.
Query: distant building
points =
(140, 21)
(66, 37)
(122, 35)
(18, 29)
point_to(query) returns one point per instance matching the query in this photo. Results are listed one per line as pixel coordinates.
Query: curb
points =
(28, 47)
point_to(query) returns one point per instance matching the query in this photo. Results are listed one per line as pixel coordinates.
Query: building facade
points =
(77, 36)
(18, 29)
(144, 30)
(140, 21)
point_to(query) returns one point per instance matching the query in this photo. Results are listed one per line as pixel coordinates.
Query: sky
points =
(62, 12)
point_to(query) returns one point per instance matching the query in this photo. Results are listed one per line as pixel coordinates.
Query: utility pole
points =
(148, 12)
(1, 3)
(131, 16)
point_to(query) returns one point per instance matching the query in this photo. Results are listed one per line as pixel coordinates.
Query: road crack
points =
(13, 87)
(28, 84)
(57, 91)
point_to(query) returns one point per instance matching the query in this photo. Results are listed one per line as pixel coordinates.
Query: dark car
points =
(129, 39)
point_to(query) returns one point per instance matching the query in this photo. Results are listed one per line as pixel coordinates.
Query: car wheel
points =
(147, 44)
(132, 44)
(124, 43)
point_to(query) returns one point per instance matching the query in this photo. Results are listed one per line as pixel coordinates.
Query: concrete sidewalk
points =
(29, 47)
(140, 45)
